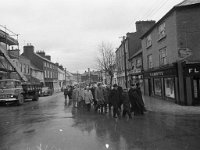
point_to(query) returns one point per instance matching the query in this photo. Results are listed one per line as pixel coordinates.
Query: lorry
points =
(14, 91)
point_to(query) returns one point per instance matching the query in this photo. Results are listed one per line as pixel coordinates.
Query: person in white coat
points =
(88, 98)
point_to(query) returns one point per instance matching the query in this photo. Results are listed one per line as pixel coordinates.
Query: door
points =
(196, 91)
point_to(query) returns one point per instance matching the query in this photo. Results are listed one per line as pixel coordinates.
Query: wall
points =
(170, 42)
(188, 27)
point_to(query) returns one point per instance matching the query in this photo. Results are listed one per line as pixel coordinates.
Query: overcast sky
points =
(71, 30)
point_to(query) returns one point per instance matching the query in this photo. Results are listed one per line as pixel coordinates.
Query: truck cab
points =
(11, 91)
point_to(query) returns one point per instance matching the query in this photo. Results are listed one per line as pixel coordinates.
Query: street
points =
(48, 124)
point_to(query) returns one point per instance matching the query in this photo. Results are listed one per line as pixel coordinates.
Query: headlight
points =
(11, 96)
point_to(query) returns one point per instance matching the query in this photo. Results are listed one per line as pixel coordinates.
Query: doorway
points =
(196, 91)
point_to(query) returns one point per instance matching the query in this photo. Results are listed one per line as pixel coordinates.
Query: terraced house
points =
(43, 62)
(171, 55)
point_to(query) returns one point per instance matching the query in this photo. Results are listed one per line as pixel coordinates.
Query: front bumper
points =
(8, 99)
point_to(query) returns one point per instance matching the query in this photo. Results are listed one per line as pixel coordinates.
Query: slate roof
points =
(187, 2)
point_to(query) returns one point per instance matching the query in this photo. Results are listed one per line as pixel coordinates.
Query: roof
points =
(184, 3)
(32, 66)
(69, 74)
(44, 58)
(187, 2)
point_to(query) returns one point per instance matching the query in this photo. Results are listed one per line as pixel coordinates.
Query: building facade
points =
(171, 55)
(121, 62)
(135, 66)
(43, 62)
(90, 77)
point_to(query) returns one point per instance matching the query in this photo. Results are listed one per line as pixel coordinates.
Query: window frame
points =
(148, 41)
(148, 62)
(162, 31)
(161, 58)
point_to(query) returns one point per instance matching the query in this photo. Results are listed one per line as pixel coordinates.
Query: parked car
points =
(45, 91)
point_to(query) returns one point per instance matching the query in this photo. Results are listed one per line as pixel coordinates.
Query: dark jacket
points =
(126, 101)
(135, 99)
(115, 97)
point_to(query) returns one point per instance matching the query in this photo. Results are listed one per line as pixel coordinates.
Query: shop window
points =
(169, 87)
(195, 91)
(158, 87)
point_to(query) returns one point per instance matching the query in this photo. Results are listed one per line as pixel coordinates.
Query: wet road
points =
(50, 125)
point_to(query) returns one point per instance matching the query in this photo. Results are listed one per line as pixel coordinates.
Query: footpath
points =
(159, 105)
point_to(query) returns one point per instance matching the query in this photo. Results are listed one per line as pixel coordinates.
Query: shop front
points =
(162, 83)
(136, 76)
(192, 78)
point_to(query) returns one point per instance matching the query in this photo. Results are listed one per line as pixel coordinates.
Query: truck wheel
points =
(20, 99)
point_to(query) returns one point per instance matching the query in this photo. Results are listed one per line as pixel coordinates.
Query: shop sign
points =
(135, 71)
(156, 74)
(166, 72)
(184, 53)
(193, 70)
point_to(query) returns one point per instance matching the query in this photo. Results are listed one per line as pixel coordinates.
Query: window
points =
(44, 64)
(138, 62)
(21, 67)
(45, 73)
(158, 86)
(161, 31)
(24, 68)
(149, 61)
(163, 56)
(169, 87)
(148, 41)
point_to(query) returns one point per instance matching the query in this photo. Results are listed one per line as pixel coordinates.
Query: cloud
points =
(71, 30)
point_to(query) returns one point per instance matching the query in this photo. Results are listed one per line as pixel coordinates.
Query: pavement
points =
(158, 105)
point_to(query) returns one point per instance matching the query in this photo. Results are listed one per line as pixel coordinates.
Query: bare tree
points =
(106, 59)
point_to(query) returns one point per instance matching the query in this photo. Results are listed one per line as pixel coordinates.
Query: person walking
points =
(75, 97)
(120, 90)
(126, 104)
(99, 97)
(106, 95)
(88, 98)
(115, 98)
(140, 95)
(136, 103)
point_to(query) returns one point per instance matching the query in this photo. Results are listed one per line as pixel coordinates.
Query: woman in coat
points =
(88, 98)
(136, 102)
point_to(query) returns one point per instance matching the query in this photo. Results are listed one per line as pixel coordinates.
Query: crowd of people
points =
(105, 99)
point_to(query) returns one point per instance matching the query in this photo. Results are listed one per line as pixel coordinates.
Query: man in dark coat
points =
(136, 102)
(120, 90)
(126, 104)
(115, 98)
(140, 94)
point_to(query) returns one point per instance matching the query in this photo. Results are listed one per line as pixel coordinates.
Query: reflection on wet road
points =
(49, 125)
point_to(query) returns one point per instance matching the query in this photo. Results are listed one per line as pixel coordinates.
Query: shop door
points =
(196, 91)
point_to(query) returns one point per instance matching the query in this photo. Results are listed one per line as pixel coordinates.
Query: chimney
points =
(28, 49)
(41, 53)
(48, 57)
(144, 26)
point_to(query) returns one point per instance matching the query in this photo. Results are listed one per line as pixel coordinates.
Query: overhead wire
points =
(158, 9)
